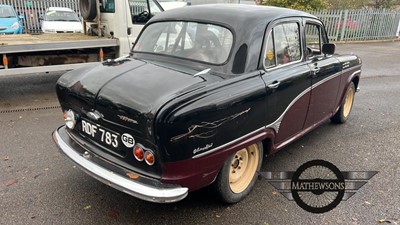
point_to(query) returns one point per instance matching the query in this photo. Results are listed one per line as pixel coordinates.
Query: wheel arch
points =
(267, 145)
(353, 78)
(356, 80)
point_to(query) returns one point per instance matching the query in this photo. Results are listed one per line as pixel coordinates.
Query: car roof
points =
(60, 9)
(230, 13)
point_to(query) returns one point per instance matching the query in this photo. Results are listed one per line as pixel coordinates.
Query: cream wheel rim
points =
(348, 102)
(243, 168)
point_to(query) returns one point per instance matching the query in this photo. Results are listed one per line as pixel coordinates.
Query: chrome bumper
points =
(115, 176)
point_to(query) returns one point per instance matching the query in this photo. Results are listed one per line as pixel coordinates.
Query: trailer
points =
(53, 52)
(111, 27)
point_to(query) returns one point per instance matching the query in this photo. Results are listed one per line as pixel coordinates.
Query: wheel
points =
(344, 111)
(239, 173)
(88, 9)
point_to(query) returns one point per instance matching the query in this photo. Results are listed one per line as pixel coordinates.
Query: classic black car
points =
(206, 92)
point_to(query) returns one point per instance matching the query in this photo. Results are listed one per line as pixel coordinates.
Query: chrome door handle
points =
(316, 70)
(275, 84)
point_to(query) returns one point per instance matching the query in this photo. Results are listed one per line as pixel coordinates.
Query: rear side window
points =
(283, 45)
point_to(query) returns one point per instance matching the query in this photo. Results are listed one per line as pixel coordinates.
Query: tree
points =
(360, 4)
(298, 4)
(381, 4)
(346, 4)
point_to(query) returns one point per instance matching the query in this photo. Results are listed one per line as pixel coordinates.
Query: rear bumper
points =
(115, 176)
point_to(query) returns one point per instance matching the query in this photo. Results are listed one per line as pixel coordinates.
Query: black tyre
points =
(344, 111)
(239, 174)
(88, 9)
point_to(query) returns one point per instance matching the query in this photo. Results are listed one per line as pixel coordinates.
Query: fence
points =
(33, 10)
(342, 25)
(353, 25)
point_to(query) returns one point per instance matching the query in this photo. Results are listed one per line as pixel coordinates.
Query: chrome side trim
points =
(227, 144)
(276, 124)
(358, 71)
(143, 188)
(326, 79)
(352, 68)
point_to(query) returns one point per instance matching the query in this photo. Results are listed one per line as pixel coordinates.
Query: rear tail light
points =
(149, 157)
(70, 119)
(138, 153)
(141, 154)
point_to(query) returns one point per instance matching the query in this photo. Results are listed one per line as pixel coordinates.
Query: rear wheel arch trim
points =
(356, 80)
(268, 145)
(355, 76)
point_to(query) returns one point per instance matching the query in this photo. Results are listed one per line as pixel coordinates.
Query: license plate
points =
(100, 134)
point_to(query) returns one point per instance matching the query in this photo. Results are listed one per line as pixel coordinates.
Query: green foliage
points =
(346, 4)
(309, 5)
(383, 4)
(361, 4)
(303, 5)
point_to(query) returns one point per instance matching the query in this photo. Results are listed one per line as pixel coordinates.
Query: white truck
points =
(111, 27)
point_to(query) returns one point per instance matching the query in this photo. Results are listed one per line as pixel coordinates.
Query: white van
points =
(61, 20)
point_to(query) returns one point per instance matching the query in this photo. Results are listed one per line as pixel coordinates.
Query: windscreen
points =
(6, 12)
(61, 16)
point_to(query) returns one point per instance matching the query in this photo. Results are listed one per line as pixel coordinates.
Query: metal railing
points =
(33, 10)
(360, 25)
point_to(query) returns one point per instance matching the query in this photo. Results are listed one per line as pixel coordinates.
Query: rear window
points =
(189, 40)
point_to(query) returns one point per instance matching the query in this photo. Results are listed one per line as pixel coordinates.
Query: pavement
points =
(38, 185)
(379, 59)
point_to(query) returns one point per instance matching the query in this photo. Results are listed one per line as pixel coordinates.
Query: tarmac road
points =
(38, 185)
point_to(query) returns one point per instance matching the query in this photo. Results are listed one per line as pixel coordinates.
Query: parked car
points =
(61, 20)
(10, 22)
(350, 24)
(172, 4)
(234, 83)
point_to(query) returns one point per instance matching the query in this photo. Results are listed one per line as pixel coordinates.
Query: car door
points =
(287, 79)
(325, 72)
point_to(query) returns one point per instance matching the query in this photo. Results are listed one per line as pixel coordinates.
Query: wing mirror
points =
(328, 49)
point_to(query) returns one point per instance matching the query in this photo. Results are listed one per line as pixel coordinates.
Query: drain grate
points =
(29, 109)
